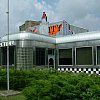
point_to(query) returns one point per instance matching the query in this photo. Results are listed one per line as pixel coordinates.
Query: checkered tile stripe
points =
(78, 70)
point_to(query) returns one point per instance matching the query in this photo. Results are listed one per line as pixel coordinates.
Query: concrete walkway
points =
(9, 93)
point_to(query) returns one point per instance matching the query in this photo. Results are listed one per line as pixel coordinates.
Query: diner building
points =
(56, 45)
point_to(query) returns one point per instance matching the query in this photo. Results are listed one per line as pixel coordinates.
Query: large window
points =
(65, 56)
(98, 55)
(40, 56)
(4, 55)
(84, 56)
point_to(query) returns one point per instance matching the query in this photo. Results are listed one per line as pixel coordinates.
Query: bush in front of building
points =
(46, 84)
(18, 79)
(3, 79)
(64, 86)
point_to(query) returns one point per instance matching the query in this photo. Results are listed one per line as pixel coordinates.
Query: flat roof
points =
(50, 39)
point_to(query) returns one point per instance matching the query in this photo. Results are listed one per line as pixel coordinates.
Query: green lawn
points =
(15, 97)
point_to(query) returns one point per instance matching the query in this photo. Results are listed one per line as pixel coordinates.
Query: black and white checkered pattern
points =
(78, 70)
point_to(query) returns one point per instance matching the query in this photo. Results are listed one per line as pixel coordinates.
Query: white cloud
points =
(81, 12)
(21, 10)
(84, 13)
(90, 21)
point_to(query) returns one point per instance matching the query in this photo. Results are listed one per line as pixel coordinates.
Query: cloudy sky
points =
(83, 13)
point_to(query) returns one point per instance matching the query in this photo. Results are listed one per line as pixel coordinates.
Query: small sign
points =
(4, 44)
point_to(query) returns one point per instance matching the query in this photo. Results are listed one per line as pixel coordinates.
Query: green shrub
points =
(64, 86)
(46, 84)
(3, 79)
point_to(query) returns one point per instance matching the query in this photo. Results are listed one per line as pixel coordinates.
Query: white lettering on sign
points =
(3, 44)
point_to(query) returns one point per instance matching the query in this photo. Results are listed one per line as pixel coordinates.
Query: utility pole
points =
(8, 45)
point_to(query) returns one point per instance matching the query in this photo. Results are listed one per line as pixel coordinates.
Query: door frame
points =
(53, 57)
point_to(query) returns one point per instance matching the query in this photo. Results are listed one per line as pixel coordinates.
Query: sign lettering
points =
(53, 29)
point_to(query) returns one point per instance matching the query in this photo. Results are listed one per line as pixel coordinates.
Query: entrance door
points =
(51, 61)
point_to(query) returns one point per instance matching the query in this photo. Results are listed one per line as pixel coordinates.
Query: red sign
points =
(53, 29)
